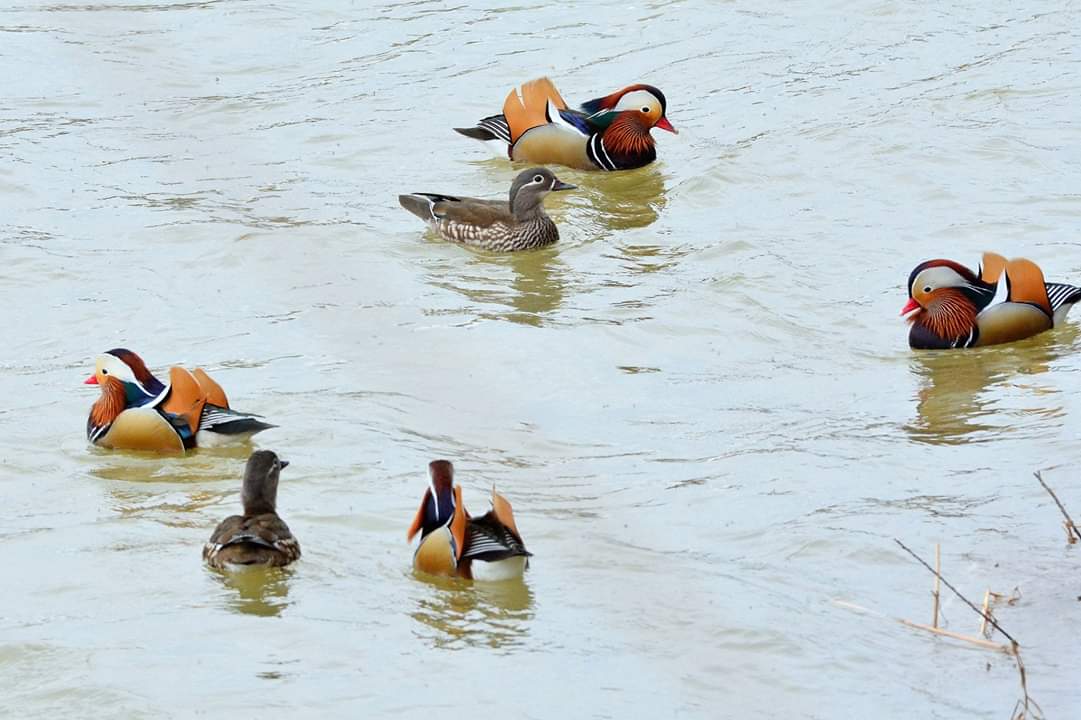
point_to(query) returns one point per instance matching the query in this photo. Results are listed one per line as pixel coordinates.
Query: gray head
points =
(529, 188)
(260, 492)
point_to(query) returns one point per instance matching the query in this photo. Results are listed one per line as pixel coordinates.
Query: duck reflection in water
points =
(259, 590)
(533, 290)
(612, 201)
(622, 201)
(957, 396)
(456, 613)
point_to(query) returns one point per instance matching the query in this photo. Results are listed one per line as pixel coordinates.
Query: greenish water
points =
(700, 402)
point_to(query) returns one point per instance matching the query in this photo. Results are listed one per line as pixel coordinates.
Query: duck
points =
(496, 225)
(454, 544)
(136, 411)
(607, 133)
(259, 536)
(950, 306)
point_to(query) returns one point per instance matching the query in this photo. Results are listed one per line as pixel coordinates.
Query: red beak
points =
(910, 306)
(92, 380)
(663, 124)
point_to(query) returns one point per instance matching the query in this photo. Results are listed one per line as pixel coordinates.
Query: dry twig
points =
(1072, 533)
(1026, 706)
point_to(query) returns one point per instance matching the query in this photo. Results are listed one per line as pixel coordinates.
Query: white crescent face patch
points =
(934, 278)
(638, 99)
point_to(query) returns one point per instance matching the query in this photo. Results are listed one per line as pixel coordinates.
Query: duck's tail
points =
(228, 424)
(493, 127)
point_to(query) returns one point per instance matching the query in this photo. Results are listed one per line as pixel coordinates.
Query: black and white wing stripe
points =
(490, 541)
(496, 125)
(1062, 294)
(1062, 298)
(229, 422)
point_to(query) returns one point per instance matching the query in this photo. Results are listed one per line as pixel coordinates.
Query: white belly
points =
(509, 569)
(206, 439)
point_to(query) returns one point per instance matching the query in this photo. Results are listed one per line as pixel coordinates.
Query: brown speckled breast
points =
(502, 237)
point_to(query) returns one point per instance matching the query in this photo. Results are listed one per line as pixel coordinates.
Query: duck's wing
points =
(1062, 297)
(494, 536)
(224, 421)
(433, 207)
(1020, 307)
(183, 405)
(254, 539)
(489, 540)
(991, 267)
(528, 108)
(493, 127)
(1026, 284)
(214, 393)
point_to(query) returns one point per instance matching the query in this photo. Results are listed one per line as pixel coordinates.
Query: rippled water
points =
(701, 402)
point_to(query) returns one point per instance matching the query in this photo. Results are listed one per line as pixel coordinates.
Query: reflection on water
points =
(623, 200)
(194, 466)
(960, 389)
(259, 590)
(462, 613)
(534, 289)
(613, 200)
(171, 508)
(140, 482)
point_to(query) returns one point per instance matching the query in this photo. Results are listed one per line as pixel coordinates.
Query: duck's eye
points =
(538, 179)
(927, 288)
(645, 110)
(104, 371)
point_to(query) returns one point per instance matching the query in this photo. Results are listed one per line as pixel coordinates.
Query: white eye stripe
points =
(637, 100)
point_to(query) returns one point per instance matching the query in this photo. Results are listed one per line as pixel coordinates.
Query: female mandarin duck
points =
(259, 536)
(136, 411)
(950, 306)
(520, 224)
(453, 543)
(608, 133)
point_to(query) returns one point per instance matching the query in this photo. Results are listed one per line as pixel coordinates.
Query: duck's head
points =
(528, 190)
(122, 366)
(441, 505)
(645, 103)
(945, 297)
(260, 492)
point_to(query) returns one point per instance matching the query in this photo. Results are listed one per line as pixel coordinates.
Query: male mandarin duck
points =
(607, 133)
(259, 536)
(520, 224)
(452, 543)
(950, 306)
(136, 411)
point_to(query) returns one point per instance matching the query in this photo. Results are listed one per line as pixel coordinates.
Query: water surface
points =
(701, 402)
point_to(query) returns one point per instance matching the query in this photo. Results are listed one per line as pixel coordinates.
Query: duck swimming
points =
(950, 306)
(487, 548)
(607, 133)
(136, 411)
(502, 226)
(259, 536)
